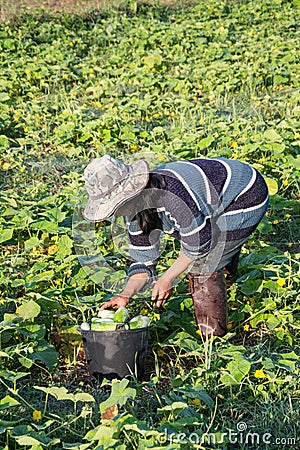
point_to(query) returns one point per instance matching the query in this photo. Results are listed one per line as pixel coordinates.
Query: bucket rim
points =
(114, 331)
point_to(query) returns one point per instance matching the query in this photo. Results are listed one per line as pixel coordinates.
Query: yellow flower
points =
(229, 326)
(234, 144)
(5, 166)
(285, 183)
(144, 311)
(280, 281)
(160, 352)
(260, 374)
(52, 249)
(36, 251)
(196, 401)
(275, 222)
(198, 332)
(57, 282)
(288, 216)
(246, 327)
(37, 415)
(71, 43)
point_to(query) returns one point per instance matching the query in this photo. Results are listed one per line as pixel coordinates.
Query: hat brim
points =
(98, 210)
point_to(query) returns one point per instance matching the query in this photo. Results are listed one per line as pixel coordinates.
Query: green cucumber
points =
(106, 314)
(139, 322)
(85, 326)
(121, 315)
(105, 325)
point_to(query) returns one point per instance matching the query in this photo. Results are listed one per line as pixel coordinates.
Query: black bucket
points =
(115, 354)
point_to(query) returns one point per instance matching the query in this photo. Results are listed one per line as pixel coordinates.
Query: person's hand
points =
(115, 302)
(162, 291)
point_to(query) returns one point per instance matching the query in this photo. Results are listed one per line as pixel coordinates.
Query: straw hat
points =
(110, 183)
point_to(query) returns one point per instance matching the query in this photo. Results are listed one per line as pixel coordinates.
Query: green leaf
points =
(43, 276)
(45, 225)
(236, 371)
(273, 322)
(7, 424)
(250, 287)
(6, 234)
(76, 446)
(102, 433)
(286, 364)
(43, 426)
(273, 287)
(60, 393)
(264, 226)
(205, 142)
(31, 242)
(197, 392)
(11, 376)
(176, 407)
(28, 310)
(4, 97)
(272, 136)
(45, 353)
(84, 397)
(152, 60)
(4, 141)
(272, 185)
(4, 354)
(288, 361)
(119, 395)
(24, 435)
(65, 245)
(8, 402)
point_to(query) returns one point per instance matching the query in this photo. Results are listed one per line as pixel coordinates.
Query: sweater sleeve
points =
(143, 251)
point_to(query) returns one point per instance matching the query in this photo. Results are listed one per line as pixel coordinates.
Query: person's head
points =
(123, 190)
(110, 184)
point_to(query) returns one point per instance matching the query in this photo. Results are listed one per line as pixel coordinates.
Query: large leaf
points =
(6, 234)
(250, 287)
(272, 136)
(45, 353)
(236, 371)
(272, 185)
(65, 245)
(61, 393)
(8, 402)
(119, 395)
(24, 435)
(28, 310)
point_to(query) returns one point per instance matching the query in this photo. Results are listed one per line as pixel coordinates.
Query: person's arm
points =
(163, 285)
(133, 285)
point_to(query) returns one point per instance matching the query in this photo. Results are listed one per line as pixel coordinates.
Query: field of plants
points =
(169, 81)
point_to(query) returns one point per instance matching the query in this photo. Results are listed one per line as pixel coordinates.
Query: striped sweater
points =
(204, 198)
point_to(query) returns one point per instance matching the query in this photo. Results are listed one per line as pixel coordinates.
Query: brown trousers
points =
(209, 297)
